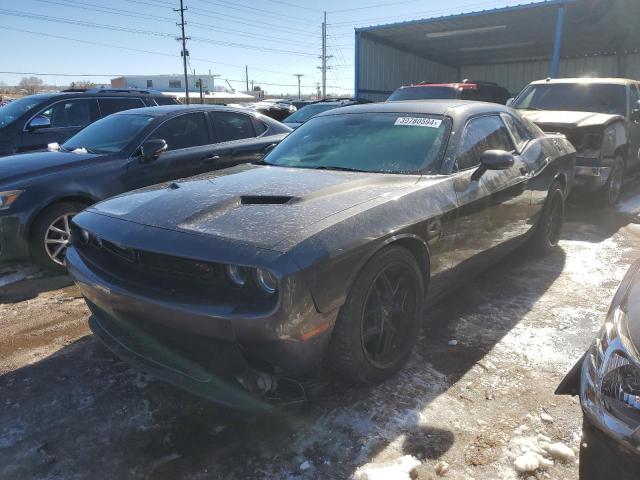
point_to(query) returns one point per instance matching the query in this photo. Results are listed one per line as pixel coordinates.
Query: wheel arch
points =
(71, 197)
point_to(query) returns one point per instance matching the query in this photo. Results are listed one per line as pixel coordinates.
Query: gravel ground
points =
(69, 409)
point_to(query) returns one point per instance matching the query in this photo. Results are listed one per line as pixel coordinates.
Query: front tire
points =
(610, 193)
(378, 325)
(547, 233)
(51, 233)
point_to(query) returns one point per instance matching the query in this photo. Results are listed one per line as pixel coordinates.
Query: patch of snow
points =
(546, 418)
(630, 206)
(527, 462)
(18, 274)
(452, 343)
(442, 468)
(398, 469)
(560, 451)
(305, 465)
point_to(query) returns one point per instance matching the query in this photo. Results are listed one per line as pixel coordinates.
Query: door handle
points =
(210, 159)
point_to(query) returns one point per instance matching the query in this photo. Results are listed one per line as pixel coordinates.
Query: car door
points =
(494, 208)
(242, 137)
(65, 119)
(189, 151)
(634, 128)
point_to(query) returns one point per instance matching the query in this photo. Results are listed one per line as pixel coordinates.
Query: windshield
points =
(305, 113)
(13, 110)
(422, 93)
(110, 134)
(577, 97)
(368, 142)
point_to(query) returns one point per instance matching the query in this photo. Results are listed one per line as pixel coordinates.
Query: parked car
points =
(41, 191)
(465, 90)
(277, 109)
(601, 117)
(607, 379)
(305, 113)
(324, 254)
(32, 122)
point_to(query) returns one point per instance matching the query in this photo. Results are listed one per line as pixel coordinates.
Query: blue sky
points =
(275, 38)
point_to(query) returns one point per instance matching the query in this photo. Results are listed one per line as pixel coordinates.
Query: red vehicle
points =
(465, 90)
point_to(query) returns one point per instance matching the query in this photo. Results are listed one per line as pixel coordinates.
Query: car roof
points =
(610, 81)
(434, 107)
(163, 110)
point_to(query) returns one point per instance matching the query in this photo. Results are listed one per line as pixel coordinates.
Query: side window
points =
(520, 134)
(482, 134)
(71, 113)
(183, 132)
(232, 126)
(114, 105)
(166, 100)
(635, 97)
(258, 126)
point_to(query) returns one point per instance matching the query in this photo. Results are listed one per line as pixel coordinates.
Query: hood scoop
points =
(265, 199)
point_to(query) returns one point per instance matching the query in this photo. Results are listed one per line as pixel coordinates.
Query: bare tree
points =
(31, 84)
(82, 84)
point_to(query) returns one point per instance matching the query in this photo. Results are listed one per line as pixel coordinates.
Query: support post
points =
(557, 44)
(356, 63)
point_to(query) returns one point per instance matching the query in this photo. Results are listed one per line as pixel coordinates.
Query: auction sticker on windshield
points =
(418, 122)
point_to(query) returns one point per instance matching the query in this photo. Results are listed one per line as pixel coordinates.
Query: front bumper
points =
(14, 238)
(591, 178)
(258, 341)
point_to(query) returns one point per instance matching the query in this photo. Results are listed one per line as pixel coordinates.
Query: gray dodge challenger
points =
(239, 284)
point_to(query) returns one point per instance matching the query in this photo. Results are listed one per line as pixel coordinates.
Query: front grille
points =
(154, 272)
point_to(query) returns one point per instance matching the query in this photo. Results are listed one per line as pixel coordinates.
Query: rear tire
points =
(547, 233)
(378, 325)
(50, 235)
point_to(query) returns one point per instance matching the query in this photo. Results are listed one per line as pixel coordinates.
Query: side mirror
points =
(493, 160)
(510, 101)
(269, 147)
(39, 122)
(151, 150)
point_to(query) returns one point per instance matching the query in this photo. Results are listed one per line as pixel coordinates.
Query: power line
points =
(138, 50)
(243, 9)
(157, 18)
(49, 18)
(282, 2)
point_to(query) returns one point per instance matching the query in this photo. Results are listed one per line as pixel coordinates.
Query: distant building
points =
(164, 83)
(174, 85)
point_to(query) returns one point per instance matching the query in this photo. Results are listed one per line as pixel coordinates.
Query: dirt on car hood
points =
(260, 206)
(568, 119)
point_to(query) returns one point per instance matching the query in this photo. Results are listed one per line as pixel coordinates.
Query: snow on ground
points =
(17, 273)
(630, 205)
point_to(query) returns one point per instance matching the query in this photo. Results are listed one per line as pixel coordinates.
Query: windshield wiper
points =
(343, 169)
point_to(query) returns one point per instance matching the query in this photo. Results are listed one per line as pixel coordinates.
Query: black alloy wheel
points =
(614, 183)
(390, 307)
(379, 323)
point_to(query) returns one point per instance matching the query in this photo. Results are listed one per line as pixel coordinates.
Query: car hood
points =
(567, 119)
(257, 205)
(14, 167)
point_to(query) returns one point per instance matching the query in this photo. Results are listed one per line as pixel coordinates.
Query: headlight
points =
(7, 198)
(610, 385)
(237, 275)
(266, 281)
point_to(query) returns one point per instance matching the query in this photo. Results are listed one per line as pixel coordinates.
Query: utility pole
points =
(246, 77)
(185, 52)
(324, 57)
(200, 85)
(299, 75)
(317, 91)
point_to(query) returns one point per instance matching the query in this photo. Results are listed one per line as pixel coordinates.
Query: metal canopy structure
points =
(550, 30)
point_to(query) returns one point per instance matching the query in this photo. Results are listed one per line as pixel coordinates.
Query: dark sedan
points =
(607, 379)
(324, 254)
(40, 192)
